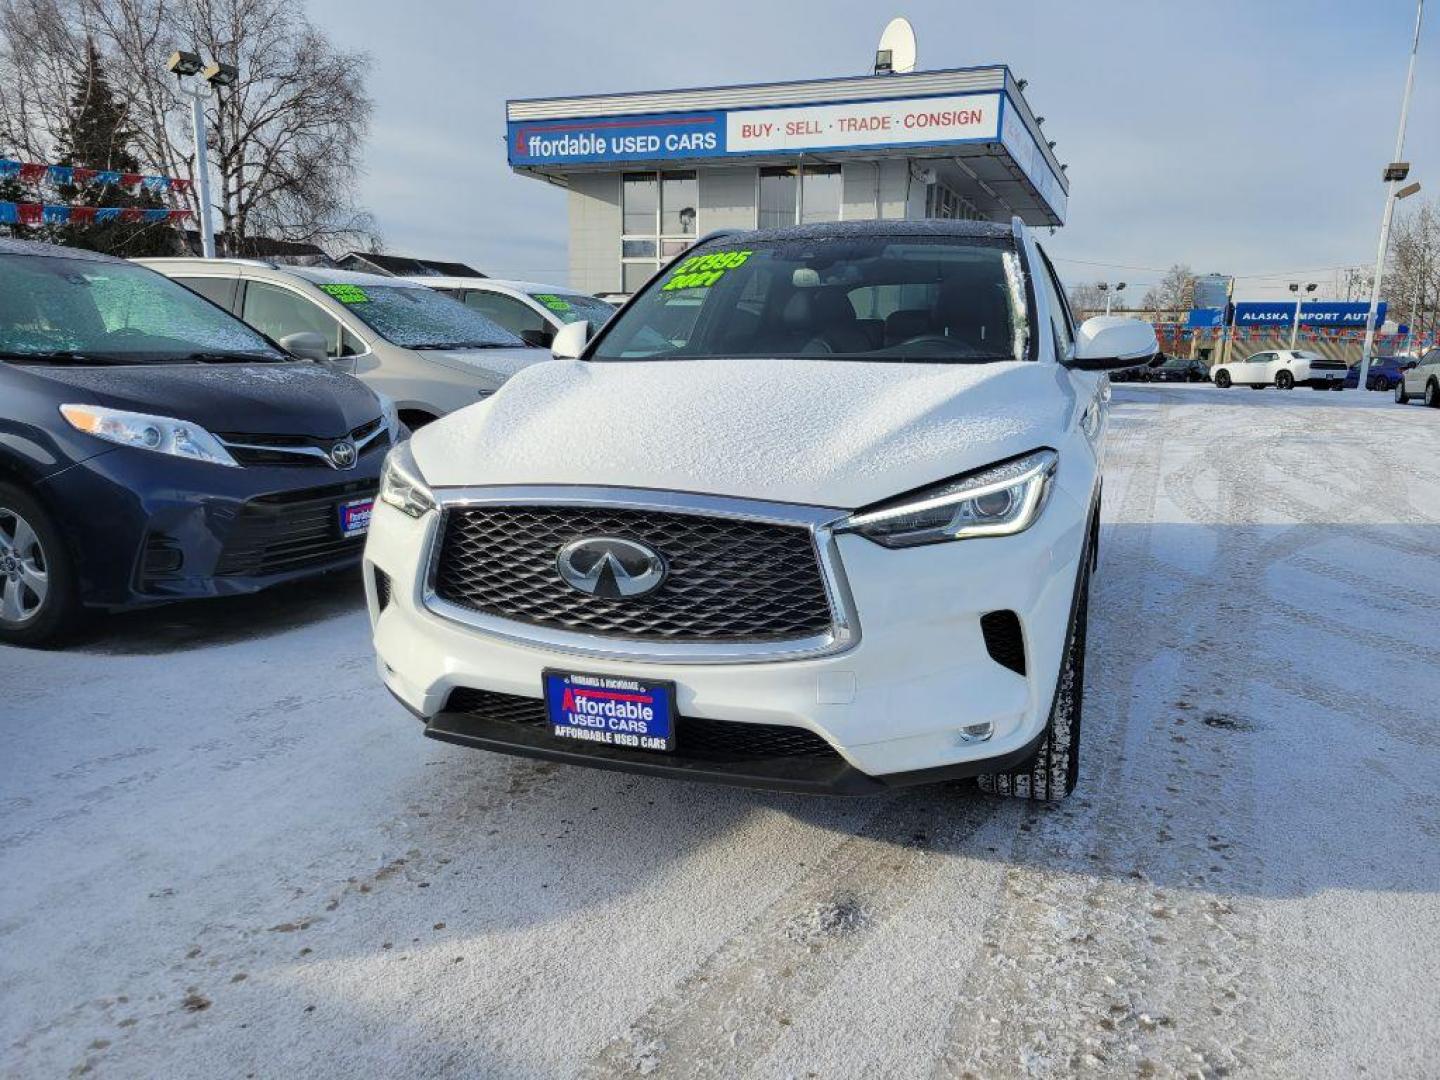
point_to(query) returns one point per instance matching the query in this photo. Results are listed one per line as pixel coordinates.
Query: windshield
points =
(918, 299)
(55, 309)
(572, 307)
(417, 317)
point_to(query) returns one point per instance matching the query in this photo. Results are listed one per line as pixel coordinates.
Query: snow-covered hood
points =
(499, 363)
(822, 432)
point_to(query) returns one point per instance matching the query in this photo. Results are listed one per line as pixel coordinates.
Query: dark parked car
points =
(1178, 369)
(1385, 372)
(154, 448)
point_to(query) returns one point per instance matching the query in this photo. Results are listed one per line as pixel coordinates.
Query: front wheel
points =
(39, 597)
(1380, 382)
(1050, 775)
(1285, 381)
(1401, 397)
(1222, 380)
(1432, 394)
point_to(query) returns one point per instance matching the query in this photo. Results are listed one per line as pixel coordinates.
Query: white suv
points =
(1283, 369)
(415, 346)
(533, 311)
(1421, 380)
(816, 511)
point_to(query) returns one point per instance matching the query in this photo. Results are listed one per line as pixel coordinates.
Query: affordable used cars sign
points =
(671, 136)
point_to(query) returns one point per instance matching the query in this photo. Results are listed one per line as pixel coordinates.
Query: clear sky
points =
(1239, 136)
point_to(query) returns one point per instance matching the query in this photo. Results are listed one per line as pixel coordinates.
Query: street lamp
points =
(187, 66)
(1110, 291)
(1395, 172)
(1295, 323)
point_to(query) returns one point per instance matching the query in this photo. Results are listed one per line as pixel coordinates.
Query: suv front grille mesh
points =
(696, 738)
(728, 580)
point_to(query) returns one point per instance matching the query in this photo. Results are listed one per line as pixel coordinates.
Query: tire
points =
(1401, 397)
(1257, 386)
(1432, 394)
(1336, 384)
(1050, 775)
(39, 591)
(1222, 380)
(1380, 382)
(1284, 381)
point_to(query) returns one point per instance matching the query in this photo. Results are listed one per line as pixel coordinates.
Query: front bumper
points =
(147, 529)
(893, 706)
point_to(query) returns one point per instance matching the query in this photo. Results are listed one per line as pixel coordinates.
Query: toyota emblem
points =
(342, 454)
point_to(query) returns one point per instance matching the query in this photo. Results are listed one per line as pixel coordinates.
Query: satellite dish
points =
(896, 51)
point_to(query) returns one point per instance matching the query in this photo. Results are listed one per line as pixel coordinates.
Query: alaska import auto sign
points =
(1317, 313)
(791, 128)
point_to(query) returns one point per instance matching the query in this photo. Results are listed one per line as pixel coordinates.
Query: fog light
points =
(973, 733)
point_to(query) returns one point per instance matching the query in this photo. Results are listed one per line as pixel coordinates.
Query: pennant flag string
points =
(67, 175)
(40, 214)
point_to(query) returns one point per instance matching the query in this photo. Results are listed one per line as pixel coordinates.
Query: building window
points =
(659, 215)
(943, 201)
(783, 201)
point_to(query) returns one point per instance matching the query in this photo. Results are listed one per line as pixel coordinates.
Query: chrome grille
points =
(730, 579)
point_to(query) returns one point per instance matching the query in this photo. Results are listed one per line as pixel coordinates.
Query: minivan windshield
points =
(572, 307)
(416, 317)
(55, 309)
(946, 299)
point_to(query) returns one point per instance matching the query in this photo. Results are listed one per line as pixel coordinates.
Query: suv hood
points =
(262, 399)
(819, 432)
(500, 364)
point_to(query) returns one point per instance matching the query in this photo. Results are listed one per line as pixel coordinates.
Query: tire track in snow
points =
(1121, 952)
(733, 1008)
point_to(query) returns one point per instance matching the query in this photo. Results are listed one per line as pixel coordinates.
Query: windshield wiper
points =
(62, 356)
(219, 357)
(469, 345)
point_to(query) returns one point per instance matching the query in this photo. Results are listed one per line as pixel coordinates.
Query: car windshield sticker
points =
(553, 302)
(702, 271)
(347, 294)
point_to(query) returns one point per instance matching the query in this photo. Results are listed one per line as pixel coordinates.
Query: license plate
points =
(355, 517)
(610, 710)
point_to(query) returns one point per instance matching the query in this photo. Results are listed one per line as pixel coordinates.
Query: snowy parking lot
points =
(224, 851)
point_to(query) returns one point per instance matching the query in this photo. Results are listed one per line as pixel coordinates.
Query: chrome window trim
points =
(844, 632)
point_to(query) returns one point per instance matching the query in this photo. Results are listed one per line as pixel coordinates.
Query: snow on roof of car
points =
(35, 247)
(324, 275)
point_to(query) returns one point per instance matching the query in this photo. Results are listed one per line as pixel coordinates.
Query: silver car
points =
(421, 349)
(1421, 381)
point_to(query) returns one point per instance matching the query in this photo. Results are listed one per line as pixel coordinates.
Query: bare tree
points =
(286, 140)
(1086, 298)
(1176, 291)
(1412, 280)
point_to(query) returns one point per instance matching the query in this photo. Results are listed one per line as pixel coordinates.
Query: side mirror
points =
(570, 340)
(538, 339)
(1113, 342)
(307, 345)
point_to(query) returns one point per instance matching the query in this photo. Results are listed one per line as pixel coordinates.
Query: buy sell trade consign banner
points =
(785, 129)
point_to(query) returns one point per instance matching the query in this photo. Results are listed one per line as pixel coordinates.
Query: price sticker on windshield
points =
(702, 271)
(554, 303)
(347, 294)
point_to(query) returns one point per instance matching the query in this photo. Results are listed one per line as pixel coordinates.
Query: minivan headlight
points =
(1001, 500)
(401, 484)
(162, 434)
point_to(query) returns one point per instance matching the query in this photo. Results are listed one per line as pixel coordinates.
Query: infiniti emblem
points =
(611, 568)
(342, 454)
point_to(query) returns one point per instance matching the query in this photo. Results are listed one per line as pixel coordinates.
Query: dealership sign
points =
(788, 129)
(1319, 313)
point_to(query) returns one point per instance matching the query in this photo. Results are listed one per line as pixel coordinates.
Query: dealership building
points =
(648, 172)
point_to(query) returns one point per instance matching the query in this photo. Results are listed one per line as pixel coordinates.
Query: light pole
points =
(1295, 323)
(1395, 172)
(186, 65)
(1110, 291)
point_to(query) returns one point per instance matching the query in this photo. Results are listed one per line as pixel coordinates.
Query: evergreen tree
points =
(98, 137)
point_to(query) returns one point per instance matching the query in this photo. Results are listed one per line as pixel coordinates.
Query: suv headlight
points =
(401, 484)
(1001, 500)
(162, 434)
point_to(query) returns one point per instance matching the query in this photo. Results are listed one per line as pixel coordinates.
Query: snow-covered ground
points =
(225, 852)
